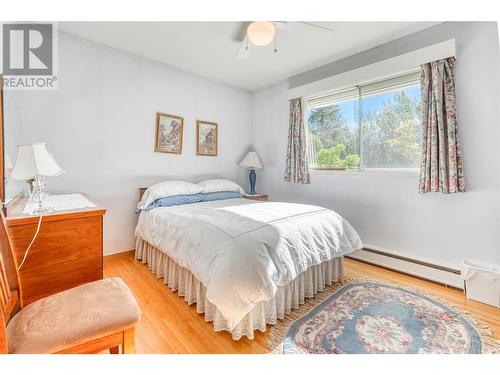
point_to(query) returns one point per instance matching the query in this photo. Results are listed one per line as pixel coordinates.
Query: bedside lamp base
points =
(38, 195)
(253, 178)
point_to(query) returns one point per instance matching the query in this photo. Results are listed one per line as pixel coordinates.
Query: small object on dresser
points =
(60, 202)
(256, 197)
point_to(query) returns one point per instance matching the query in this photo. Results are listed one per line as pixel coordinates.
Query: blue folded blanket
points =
(177, 200)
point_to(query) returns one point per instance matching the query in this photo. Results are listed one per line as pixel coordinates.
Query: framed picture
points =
(168, 133)
(206, 138)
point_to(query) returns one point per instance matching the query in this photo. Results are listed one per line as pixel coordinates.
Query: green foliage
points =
(333, 141)
(329, 124)
(351, 161)
(391, 138)
(332, 158)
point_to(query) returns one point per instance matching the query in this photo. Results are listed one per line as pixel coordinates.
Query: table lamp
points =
(34, 162)
(252, 162)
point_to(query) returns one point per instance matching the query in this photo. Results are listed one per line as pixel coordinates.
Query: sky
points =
(372, 103)
(375, 102)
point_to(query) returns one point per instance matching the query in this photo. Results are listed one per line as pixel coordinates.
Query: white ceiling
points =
(209, 48)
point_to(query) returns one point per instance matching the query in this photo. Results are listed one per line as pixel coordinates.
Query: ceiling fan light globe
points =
(261, 33)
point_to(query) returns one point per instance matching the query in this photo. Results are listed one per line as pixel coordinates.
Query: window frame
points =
(408, 79)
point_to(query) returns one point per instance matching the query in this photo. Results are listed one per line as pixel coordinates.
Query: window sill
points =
(402, 172)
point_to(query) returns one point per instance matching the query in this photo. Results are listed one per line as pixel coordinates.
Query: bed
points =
(244, 263)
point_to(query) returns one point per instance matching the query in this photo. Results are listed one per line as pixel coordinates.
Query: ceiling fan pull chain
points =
(276, 42)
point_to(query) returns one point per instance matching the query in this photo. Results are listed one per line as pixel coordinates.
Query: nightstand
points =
(257, 197)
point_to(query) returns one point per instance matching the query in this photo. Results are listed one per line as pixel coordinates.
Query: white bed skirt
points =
(288, 297)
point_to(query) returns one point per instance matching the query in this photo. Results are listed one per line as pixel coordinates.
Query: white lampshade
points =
(251, 161)
(34, 160)
(261, 33)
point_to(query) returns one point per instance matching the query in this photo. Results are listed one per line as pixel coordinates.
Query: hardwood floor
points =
(169, 325)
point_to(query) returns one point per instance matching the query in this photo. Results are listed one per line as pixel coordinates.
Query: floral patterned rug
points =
(371, 317)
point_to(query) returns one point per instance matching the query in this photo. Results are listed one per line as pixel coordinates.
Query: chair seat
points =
(73, 317)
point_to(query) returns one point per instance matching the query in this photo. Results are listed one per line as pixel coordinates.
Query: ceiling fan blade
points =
(245, 49)
(283, 25)
(241, 33)
(315, 25)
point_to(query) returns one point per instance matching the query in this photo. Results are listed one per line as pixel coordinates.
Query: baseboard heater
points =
(415, 267)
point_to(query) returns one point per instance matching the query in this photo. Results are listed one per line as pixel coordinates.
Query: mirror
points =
(10, 137)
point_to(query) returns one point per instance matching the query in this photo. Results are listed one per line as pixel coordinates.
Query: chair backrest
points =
(9, 284)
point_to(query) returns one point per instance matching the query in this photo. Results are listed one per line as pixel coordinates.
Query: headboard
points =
(141, 192)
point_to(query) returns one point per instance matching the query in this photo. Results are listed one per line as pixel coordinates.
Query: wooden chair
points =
(87, 319)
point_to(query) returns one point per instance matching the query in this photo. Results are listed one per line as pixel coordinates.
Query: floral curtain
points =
(297, 168)
(441, 167)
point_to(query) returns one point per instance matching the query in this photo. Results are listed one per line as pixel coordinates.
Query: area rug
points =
(362, 317)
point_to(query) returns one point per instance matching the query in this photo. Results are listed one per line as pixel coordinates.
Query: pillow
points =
(176, 200)
(220, 195)
(216, 185)
(167, 189)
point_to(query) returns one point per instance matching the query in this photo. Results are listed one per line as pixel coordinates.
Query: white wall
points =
(100, 126)
(12, 136)
(388, 211)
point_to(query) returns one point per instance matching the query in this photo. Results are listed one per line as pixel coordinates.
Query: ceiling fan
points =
(262, 33)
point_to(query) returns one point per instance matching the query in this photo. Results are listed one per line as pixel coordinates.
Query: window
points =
(370, 126)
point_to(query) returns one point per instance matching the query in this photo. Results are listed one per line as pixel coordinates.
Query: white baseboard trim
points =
(412, 266)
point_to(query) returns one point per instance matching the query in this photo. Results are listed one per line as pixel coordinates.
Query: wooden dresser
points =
(66, 253)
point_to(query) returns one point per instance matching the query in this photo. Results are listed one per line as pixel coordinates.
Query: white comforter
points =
(242, 250)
